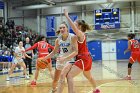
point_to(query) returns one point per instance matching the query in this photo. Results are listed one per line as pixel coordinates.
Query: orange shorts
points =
(84, 62)
(135, 56)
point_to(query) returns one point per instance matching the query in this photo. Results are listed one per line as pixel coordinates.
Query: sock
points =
(129, 76)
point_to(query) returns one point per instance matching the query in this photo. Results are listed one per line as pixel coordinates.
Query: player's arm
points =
(32, 53)
(53, 52)
(26, 55)
(32, 47)
(73, 54)
(16, 54)
(73, 26)
(50, 46)
(129, 47)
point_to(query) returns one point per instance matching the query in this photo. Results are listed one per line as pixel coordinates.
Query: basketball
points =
(41, 64)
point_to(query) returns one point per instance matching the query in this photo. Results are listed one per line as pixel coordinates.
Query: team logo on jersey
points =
(64, 44)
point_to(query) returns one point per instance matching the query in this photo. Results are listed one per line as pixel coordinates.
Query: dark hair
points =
(58, 31)
(83, 24)
(39, 38)
(131, 36)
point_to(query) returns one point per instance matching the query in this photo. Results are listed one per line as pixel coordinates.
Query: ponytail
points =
(84, 25)
(57, 32)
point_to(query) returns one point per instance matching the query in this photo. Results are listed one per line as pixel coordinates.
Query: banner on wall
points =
(1, 9)
(1, 5)
(73, 17)
(50, 26)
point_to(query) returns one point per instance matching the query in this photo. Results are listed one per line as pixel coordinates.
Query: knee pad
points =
(129, 65)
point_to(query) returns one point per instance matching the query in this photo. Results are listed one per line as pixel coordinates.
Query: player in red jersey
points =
(83, 61)
(42, 47)
(134, 47)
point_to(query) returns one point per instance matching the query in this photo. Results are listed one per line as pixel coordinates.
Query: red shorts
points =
(48, 60)
(84, 62)
(135, 56)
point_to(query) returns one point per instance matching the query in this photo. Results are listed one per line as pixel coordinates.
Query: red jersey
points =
(83, 59)
(82, 47)
(42, 47)
(135, 47)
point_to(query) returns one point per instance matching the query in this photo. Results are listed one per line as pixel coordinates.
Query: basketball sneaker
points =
(96, 91)
(127, 78)
(7, 78)
(53, 90)
(27, 77)
(33, 82)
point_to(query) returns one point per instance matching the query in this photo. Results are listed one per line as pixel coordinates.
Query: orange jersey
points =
(135, 46)
(42, 47)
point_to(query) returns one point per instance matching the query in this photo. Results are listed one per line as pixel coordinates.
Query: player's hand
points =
(23, 51)
(66, 12)
(42, 59)
(30, 57)
(124, 52)
(33, 55)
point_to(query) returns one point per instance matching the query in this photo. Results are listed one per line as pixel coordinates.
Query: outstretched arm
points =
(32, 47)
(50, 46)
(53, 52)
(74, 27)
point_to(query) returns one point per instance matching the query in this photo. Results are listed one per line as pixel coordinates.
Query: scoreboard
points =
(107, 18)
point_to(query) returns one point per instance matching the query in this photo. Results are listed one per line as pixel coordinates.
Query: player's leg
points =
(74, 71)
(50, 68)
(22, 64)
(64, 72)
(88, 75)
(55, 80)
(132, 59)
(36, 75)
(11, 71)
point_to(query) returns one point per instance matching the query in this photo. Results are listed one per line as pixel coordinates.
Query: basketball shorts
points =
(135, 56)
(16, 61)
(84, 62)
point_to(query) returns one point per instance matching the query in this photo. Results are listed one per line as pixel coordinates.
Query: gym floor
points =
(108, 83)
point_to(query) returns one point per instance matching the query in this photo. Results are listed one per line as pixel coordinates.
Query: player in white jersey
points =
(66, 43)
(65, 49)
(19, 54)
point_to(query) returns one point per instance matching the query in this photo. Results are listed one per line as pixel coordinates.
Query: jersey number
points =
(44, 45)
(136, 45)
(65, 50)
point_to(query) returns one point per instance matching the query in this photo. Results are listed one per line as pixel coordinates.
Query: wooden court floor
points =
(106, 85)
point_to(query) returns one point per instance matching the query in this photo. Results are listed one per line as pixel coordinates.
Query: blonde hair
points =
(58, 31)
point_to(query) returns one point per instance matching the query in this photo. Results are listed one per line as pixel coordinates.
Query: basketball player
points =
(42, 47)
(18, 59)
(83, 60)
(67, 43)
(134, 47)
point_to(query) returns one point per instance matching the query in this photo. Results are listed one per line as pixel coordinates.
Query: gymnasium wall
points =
(30, 16)
(26, 17)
